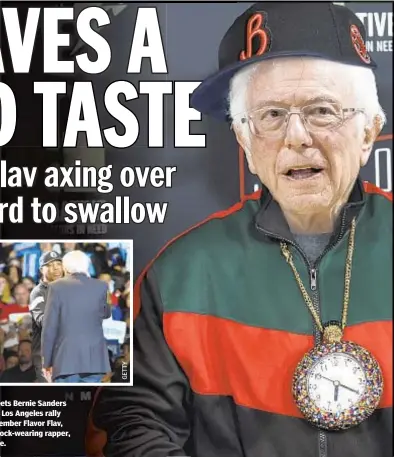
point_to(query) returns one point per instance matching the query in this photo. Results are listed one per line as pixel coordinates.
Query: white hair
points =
(364, 85)
(76, 262)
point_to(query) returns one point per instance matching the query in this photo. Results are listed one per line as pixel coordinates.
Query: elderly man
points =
(267, 331)
(73, 343)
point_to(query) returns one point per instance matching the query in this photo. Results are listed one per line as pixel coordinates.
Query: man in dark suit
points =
(73, 343)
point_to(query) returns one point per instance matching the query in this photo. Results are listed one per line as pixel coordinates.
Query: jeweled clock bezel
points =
(353, 415)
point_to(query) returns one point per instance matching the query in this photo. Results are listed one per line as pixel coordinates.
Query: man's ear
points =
(371, 132)
(244, 145)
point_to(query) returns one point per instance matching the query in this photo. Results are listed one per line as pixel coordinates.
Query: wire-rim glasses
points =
(271, 121)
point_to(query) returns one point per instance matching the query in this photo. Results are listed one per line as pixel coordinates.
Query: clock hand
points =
(336, 392)
(327, 379)
(349, 388)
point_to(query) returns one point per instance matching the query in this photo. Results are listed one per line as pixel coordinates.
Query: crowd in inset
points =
(25, 268)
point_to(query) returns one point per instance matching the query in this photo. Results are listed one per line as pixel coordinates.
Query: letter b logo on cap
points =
(255, 31)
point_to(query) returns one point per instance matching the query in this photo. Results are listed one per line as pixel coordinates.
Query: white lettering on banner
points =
(379, 46)
(385, 155)
(377, 24)
(369, 45)
(114, 330)
(384, 46)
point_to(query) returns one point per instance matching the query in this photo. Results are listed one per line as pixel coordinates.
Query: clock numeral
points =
(355, 369)
(317, 397)
(335, 362)
(339, 406)
(346, 362)
(361, 381)
(323, 367)
(313, 386)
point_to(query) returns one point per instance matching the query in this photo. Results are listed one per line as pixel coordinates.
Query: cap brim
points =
(211, 96)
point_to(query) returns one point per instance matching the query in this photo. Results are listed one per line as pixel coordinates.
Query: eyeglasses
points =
(272, 121)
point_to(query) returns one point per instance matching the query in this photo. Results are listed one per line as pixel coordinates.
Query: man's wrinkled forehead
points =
(288, 79)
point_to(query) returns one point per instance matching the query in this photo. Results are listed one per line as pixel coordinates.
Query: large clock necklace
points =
(337, 384)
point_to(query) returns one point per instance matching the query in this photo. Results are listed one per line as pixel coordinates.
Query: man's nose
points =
(297, 136)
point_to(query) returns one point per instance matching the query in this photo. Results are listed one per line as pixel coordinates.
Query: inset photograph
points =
(65, 312)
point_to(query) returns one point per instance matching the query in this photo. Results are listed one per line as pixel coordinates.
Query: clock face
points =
(336, 382)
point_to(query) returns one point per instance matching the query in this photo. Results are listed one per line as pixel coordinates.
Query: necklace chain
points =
(348, 273)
